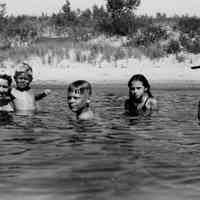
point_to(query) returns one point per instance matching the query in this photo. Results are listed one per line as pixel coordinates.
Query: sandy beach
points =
(163, 70)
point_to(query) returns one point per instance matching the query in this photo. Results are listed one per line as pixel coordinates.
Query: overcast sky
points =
(36, 7)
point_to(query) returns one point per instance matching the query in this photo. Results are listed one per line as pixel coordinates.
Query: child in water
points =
(23, 95)
(141, 101)
(6, 99)
(79, 93)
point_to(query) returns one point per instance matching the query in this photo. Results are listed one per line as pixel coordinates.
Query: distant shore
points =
(164, 70)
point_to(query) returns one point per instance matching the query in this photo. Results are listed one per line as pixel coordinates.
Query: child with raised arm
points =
(24, 97)
(6, 99)
(78, 98)
(141, 101)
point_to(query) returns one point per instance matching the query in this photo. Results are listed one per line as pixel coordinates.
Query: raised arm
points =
(42, 94)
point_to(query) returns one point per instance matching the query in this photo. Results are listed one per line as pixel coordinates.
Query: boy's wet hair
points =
(80, 86)
(6, 77)
(143, 80)
(24, 68)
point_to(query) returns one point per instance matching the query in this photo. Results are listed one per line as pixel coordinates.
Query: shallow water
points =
(50, 155)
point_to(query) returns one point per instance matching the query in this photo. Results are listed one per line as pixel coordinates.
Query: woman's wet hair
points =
(6, 77)
(80, 86)
(143, 80)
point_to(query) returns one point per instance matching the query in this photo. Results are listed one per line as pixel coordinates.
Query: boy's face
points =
(23, 81)
(77, 101)
(137, 89)
(4, 87)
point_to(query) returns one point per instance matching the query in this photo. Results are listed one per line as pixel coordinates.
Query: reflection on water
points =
(50, 155)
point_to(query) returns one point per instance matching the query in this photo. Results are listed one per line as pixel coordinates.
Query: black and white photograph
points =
(99, 100)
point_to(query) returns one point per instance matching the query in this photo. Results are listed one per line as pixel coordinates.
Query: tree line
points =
(117, 17)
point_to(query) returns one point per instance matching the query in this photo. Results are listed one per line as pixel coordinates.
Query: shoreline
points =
(155, 85)
(163, 71)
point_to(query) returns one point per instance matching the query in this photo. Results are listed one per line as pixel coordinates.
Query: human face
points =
(137, 89)
(23, 81)
(77, 101)
(4, 87)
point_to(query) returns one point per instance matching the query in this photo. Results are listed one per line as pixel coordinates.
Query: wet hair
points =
(143, 79)
(80, 86)
(6, 77)
(24, 68)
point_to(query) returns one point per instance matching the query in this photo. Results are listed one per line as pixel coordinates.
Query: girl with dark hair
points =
(141, 101)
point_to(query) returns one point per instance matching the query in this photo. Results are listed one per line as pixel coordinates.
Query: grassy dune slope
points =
(99, 60)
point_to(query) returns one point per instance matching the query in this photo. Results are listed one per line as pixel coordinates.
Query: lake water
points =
(51, 156)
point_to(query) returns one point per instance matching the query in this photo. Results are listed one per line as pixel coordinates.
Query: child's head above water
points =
(79, 93)
(7, 78)
(23, 76)
(138, 86)
(5, 83)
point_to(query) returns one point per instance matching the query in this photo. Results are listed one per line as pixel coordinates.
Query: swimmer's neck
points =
(141, 99)
(23, 89)
(83, 110)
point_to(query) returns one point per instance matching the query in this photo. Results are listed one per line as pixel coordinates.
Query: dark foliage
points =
(173, 47)
(189, 25)
(116, 18)
(120, 16)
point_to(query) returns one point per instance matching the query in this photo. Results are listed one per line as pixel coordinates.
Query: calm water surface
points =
(50, 155)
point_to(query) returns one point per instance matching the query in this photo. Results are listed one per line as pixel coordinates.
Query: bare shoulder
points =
(86, 115)
(13, 91)
(152, 103)
(31, 91)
